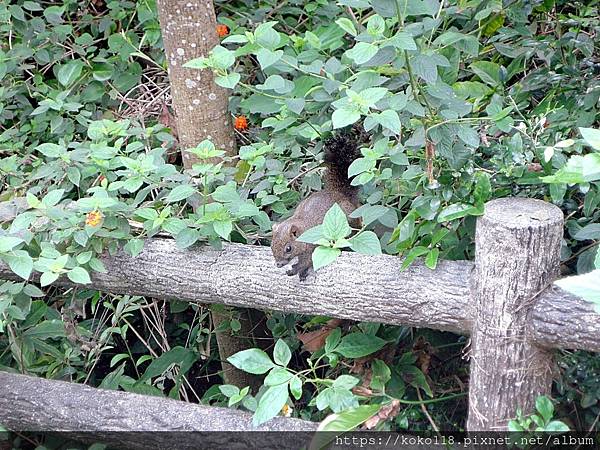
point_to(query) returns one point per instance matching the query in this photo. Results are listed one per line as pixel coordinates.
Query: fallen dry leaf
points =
(315, 340)
(386, 412)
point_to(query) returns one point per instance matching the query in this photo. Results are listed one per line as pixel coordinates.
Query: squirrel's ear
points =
(274, 227)
(294, 231)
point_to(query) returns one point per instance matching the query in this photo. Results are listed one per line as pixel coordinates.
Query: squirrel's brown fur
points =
(340, 151)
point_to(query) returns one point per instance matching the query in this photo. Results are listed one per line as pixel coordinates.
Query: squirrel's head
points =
(284, 245)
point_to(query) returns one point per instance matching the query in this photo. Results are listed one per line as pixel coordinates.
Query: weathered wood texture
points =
(563, 320)
(126, 420)
(518, 254)
(357, 287)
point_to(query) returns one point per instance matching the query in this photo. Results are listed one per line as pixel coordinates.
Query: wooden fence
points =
(505, 300)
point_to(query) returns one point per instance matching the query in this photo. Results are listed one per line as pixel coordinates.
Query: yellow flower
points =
(93, 218)
(286, 410)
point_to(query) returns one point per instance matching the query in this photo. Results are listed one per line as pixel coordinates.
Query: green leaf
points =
(369, 213)
(312, 235)
(79, 275)
(388, 119)
(344, 117)
(49, 329)
(229, 390)
(381, 375)
(74, 175)
(402, 41)
(20, 263)
(228, 81)
(338, 399)
(282, 353)
(357, 345)
(366, 243)
(266, 36)
(454, 211)
(33, 291)
(177, 355)
(69, 72)
(579, 169)
(345, 382)
(252, 360)
(545, 407)
(591, 136)
(187, 237)
(222, 58)
(346, 25)
(223, 228)
(432, 258)
(7, 243)
(102, 71)
(586, 286)
(52, 197)
(266, 58)
(323, 256)
(134, 247)
(51, 150)
(370, 96)
(425, 68)
(335, 224)
(97, 265)
(489, 72)
(270, 404)
(296, 387)
(197, 63)
(277, 375)
(413, 254)
(361, 165)
(344, 421)
(483, 188)
(181, 192)
(589, 232)
(235, 39)
(556, 426)
(48, 278)
(362, 52)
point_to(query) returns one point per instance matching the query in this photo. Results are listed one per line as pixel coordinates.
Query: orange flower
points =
(222, 30)
(241, 123)
(93, 218)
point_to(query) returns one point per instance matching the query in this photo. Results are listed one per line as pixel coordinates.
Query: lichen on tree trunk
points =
(201, 112)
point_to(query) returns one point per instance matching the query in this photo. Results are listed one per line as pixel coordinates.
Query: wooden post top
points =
(515, 212)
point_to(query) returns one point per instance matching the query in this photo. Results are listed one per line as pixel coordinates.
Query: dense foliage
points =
(461, 102)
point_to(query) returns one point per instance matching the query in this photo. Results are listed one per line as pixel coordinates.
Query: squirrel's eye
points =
(288, 248)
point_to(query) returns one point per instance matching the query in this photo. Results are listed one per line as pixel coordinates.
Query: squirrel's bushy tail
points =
(340, 151)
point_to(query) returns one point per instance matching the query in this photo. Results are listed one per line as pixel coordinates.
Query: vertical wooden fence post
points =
(517, 255)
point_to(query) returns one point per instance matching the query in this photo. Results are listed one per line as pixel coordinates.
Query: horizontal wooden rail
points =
(126, 420)
(357, 287)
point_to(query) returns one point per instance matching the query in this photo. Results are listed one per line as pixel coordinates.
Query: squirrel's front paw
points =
(293, 270)
(303, 274)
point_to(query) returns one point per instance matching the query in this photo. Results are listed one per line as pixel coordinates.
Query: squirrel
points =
(340, 152)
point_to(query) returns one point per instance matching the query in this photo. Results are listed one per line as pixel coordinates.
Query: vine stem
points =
(413, 81)
(433, 400)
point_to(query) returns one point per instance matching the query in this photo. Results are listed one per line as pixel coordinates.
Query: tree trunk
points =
(518, 253)
(201, 107)
(201, 112)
